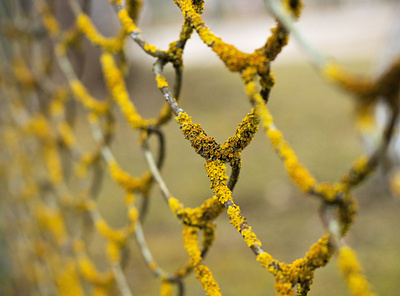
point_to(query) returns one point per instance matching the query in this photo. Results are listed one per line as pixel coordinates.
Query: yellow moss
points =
(365, 121)
(93, 118)
(166, 289)
(275, 137)
(182, 118)
(242, 137)
(153, 266)
(134, 7)
(81, 167)
(216, 172)
(51, 220)
(287, 154)
(319, 253)
(67, 280)
(49, 21)
(53, 163)
(266, 261)
(234, 59)
(332, 70)
(223, 193)
(67, 135)
(207, 281)
(86, 26)
(129, 198)
(30, 190)
(88, 204)
(361, 165)
(191, 216)
(115, 235)
(328, 191)
(283, 288)
(38, 125)
(113, 252)
(250, 237)
(251, 89)
(248, 74)
(395, 183)
(127, 181)
(353, 273)
(90, 272)
(175, 205)
(150, 48)
(260, 108)
(295, 169)
(265, 115)
(161, 82)
(133, 214)
(100, 290)
(296, 10)
(72, 38)
(23, 73)
(116, 86)
(86, 99)
(60, 49)
(267, 81)
(190, 241)
(235, 216)
(116, 2)
(57, 108)
(127, 22)
(10, 136)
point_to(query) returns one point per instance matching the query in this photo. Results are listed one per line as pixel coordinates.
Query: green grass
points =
(316, 119)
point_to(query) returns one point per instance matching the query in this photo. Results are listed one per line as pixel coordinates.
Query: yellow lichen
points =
(133, 214)
(86, 26)
(39, 126)
(328, 191)
(116, 85)
(86, 99)
(395, 183)
(116, 235)
(22, 73)
(269, 263)
(166, 288)
(319, 253)
(250, 237)
(366, 122)
(235, 217)
(361, 165)
(52, 221)
(161, 82)
(90, 272)
(150, 48)
(67, 280)
(190, 242)
(53, 163)
(127, 22)
(67, 134)
(175, 205)
(275, 137)
(207, 281)
(353, 273)
(332, 70)
(49, 21)
(130, 183)
(114, 252)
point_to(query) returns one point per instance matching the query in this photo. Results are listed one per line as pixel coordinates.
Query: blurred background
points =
(315, 117)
